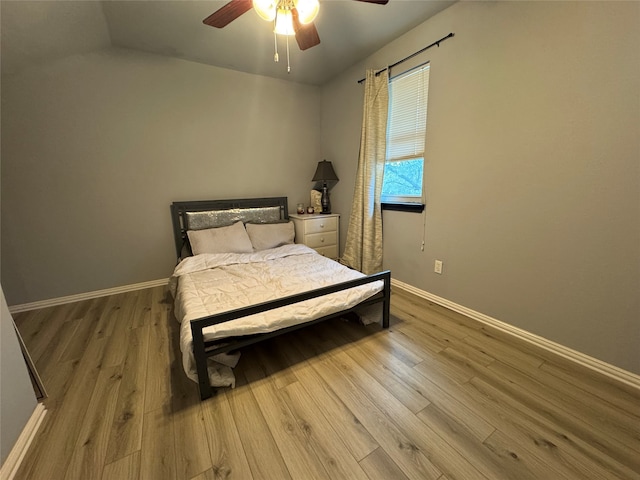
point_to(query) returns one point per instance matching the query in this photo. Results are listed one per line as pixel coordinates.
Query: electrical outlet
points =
(438, 267)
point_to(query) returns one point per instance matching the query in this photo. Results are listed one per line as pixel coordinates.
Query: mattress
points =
(209, 284)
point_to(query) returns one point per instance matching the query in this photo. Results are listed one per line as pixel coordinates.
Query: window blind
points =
(408, 96)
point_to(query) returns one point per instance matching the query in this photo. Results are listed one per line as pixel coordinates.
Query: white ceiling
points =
(33, 31)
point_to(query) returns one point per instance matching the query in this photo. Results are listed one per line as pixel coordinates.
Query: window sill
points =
(404, 207)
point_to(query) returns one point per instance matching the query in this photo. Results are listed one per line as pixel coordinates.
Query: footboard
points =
(201, 352)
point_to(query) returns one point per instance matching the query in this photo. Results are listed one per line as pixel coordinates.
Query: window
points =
(406, 129)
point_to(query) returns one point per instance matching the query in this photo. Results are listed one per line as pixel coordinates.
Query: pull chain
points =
(288, 64)
(275, 46)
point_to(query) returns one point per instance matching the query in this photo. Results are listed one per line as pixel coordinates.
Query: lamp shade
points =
(307, 10)
(266, 9)
(324, 172)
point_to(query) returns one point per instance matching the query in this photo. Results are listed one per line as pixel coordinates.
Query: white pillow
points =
(231, 239)
(270, 235)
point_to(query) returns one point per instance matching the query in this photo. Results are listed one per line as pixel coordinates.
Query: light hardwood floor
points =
(437, 396)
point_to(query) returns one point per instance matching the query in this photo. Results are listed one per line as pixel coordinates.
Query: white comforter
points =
(209, 284)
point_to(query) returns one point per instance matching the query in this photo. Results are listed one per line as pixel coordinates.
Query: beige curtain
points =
(363, 250)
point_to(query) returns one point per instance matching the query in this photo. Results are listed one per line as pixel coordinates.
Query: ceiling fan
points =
(291, 17)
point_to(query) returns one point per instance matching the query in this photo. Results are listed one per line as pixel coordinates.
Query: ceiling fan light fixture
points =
(284, 23)
(307, 10)
(266, 9)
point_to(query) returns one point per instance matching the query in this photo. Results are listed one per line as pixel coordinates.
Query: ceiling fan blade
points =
(379, 2)
(228, 13)
(306, 35)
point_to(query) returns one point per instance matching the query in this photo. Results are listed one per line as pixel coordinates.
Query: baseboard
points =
(19, 450)
(611, 371)
(86, 296)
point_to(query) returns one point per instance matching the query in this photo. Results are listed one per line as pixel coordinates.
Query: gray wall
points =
(96, 146)
(532, 168)
(17, 399)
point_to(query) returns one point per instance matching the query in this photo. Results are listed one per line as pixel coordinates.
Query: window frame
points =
(411, 203)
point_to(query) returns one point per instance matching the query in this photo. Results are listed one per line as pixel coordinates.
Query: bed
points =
(240, 279)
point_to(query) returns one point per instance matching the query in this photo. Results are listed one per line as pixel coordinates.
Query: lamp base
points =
(324, 200)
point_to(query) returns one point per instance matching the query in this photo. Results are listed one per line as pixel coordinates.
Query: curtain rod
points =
(436, 43)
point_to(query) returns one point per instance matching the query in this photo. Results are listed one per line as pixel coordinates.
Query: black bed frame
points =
(201, 349)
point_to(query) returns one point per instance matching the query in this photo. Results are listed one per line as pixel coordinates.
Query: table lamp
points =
(325, 173)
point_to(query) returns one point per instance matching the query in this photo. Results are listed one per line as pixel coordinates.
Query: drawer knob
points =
(322, 225)
(322, 240)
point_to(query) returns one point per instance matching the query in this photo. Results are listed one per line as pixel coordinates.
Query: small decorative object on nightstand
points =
(318, 231)
(325, 173)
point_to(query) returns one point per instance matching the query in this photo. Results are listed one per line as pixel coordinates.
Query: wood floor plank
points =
(84, 329)
(440, 454)
(275, 364)
(126, 468)
(398, 446)
(89, 455)
(443, 371)
(192, 449)
(479, 356)
(503, 351)
(410, 394)
(602, 415)
(161, 304)
(520, 459)
(51, 358)
(490, 463)
(228, 458)
(447, 319)
(406, 350)
(462, 362)
(40, 338)
(162, 354)
(551, 445)
(430, 317)
(558, 453)
(29, 322)
(108, 317)
(402, 448)
(50, 454)
(613, 393)
(616, 442)
(430, 390)
(116, 352)
(142, 309)
(358, 440)
(376, 358)
(158, 452)
(398, 338)
(263, 454)
(208, 475)
(441, 313)
(325, 442)
(126, 431)
(298, 454)
(427, 341)
(57, 377)
(379, 466)
(546, 431)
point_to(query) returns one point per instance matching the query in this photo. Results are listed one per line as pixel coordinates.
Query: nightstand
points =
(318, 231)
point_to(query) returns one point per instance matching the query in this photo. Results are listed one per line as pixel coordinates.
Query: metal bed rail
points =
(199, 345)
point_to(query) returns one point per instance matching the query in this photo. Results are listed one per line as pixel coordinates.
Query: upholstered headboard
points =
(201, 214)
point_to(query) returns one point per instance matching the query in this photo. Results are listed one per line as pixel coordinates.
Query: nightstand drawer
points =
(325, 239)
(320, 232)
(329, 252)
(316, 225)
